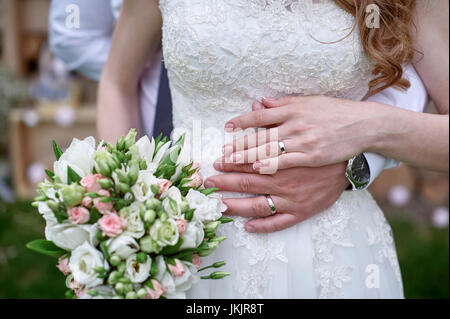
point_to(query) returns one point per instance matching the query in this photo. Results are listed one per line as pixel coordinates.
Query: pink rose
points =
(63, 265)
(181, 225)
(87, 202)
(103, 207)
(197, 261)
(78, 215)
(77, 288)
(112, 224)
(164, 185)
(196, 178)
(157, 292)
(177, 270)
(90, 183)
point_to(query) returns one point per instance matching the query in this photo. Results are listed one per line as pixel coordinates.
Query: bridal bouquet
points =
(128, 221)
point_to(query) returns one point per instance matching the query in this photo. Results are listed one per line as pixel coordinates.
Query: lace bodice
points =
(221, 55)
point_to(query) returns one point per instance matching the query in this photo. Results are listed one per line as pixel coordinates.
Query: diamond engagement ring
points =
(282, 147)
(273, 209)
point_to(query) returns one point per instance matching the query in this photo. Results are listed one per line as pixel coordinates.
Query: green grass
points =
(423, 252)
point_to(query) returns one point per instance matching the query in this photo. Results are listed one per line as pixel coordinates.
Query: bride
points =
(222, 56)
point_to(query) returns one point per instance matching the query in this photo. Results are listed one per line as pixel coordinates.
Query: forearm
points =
(139, 28)
(414, 138)
(117, 111)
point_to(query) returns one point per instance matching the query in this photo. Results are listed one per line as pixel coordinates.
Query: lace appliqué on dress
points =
(329, 230)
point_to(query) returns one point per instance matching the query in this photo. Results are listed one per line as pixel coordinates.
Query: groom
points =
(86, 49)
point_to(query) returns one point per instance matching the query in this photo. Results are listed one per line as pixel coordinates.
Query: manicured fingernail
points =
(257, 166)
(250, 228)
(237, 157)
(227, 150)
(209, 184)
(268, 99)
(229, 127)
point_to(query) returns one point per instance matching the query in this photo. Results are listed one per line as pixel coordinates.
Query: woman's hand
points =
(316, 131)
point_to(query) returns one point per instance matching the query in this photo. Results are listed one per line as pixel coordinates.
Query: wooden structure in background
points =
(23, 28)
(33, 144)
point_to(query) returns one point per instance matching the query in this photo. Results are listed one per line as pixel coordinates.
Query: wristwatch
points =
(358, 172)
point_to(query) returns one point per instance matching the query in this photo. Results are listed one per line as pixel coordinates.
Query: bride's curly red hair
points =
(390, 45)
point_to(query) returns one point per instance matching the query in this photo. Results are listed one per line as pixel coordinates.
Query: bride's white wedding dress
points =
(222, 55)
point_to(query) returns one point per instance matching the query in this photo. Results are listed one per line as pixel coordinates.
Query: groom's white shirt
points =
(86, 49)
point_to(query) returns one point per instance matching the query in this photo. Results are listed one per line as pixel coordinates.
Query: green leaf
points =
(57, 150)
(169, 250)
(187, 255)
(72, 176)
(104, 249)
(46, 247)
(189, 214)
(208, 191)
(94, 215)
(50, 174)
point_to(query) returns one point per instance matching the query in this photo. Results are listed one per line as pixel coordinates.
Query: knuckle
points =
(244, 183)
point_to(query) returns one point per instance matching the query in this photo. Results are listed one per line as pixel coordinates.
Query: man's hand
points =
(298, 193)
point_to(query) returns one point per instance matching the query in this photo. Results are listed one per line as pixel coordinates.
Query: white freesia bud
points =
(69, 236)
(172, 202)
(83, 261)
(79, 156)
(136, 271)
(142, 189)
(207, 208)
(132, 215)
(145, 148)
(183, 160)
(193, 235)
(123, 245)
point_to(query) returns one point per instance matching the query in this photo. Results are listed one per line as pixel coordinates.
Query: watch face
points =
(360, 170)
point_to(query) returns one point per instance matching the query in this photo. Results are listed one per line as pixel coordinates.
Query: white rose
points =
(146, 148)
(193, 235)
(136, 271)
(47, 213)
(176, 286)
(142, 189)
(132, 215)
(164, 233)
(82, 263)
(69, 236)
(173, 195)
(122, 246)
(79, 156)
(207, 208)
